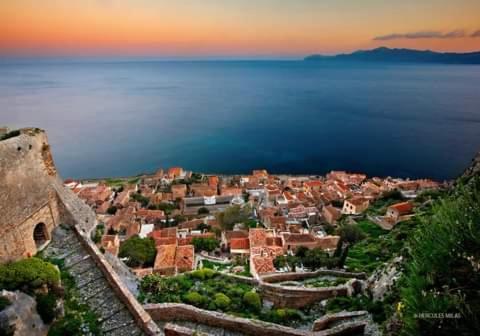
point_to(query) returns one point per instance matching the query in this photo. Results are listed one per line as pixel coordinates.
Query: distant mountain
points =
(384, 54)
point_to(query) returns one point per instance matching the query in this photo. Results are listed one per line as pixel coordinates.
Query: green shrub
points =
(10, 134)
(202, 274)
(97, 234)
(28, 274)
(140, 252)
(195, 299)
(203, 211)
(351, 233)
(205, 244)
(222, 301)
(46, 307)
(252, 300)
(4, 303)
(112, 210)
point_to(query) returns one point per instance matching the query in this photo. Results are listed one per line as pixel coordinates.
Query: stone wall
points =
(182, 312)
(298, 297)
(297, 276)
(27, 197)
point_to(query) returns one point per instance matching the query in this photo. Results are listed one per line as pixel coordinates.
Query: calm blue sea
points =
(124, 118)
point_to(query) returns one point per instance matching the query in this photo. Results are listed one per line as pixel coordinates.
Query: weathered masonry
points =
(29, 206)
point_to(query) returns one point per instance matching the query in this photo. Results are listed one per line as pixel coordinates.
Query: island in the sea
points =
(384, 54)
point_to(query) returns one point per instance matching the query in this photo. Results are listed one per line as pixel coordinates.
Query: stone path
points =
(115, 319)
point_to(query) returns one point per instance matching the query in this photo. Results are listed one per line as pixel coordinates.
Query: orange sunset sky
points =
(233, 28)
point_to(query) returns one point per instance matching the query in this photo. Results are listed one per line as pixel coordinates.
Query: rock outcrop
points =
(20, 318)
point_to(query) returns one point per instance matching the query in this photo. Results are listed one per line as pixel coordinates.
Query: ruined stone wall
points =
(179, 311)
(296, 276)
(26, 194)
(298, 297)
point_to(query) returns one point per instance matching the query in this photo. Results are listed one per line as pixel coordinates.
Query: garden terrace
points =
(378, 246)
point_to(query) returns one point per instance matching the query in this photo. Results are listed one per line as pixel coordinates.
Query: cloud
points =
(423, 35)
(476, 34)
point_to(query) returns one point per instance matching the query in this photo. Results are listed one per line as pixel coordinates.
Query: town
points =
(182, 253)
(196, 219)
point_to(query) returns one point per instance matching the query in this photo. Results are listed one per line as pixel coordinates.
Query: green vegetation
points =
(203, 211)
(10, 134)
(210, 290)
(28, 275)
(214, 265)
(442, 274)
(114, 182)
(98, 233)
(112, 210)
(4, 303)
(205, 244)
(379, 310)
(140, 252)
(164, 206)
(351, 233)
(233, 215)
(324, 282)
(78, 319)
(140, 199)
(46, 306)
(379, 246)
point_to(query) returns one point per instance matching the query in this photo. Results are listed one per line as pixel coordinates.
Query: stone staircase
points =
(114, 317)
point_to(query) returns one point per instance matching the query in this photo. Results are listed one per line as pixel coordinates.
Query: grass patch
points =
(210, 290)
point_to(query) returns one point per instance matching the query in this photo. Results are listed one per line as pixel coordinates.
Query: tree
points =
(315, 258)
(140, 252)
(205, 244)
(140, 199)
(233, 215)
(301, 252)
(280, 262)
(112, 210)
(203, 211)
(351, 233)
(203, 226)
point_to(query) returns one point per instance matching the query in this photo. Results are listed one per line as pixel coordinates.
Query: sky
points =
(233, 28)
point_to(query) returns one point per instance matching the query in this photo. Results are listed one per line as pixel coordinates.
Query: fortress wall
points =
(26, 195)
(183, 312)
(299, 297)
(280, 277)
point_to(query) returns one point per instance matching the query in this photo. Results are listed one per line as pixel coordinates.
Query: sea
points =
(112, 118)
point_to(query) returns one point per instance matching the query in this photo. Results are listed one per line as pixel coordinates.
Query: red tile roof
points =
(165, 256)
(402, 208)
(240, 244)
(257, 237)
(185, 258)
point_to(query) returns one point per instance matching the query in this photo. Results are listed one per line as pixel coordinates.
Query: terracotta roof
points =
(240, 244)
(357, 200)
(167, 232)
(257, 237)
(274, 241)
(402, 208)
(166, 241)
(328, 242)
(299, 238)
(263, 264)
(193, 224)
(213, 180)
(313, 183)
(175, 171)
(165, 256)
(185, 258)
(229, 235)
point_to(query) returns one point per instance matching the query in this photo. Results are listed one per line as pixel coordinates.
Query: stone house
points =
(355, 206)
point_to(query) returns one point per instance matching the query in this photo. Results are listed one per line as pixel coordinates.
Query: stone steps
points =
(114, 318)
